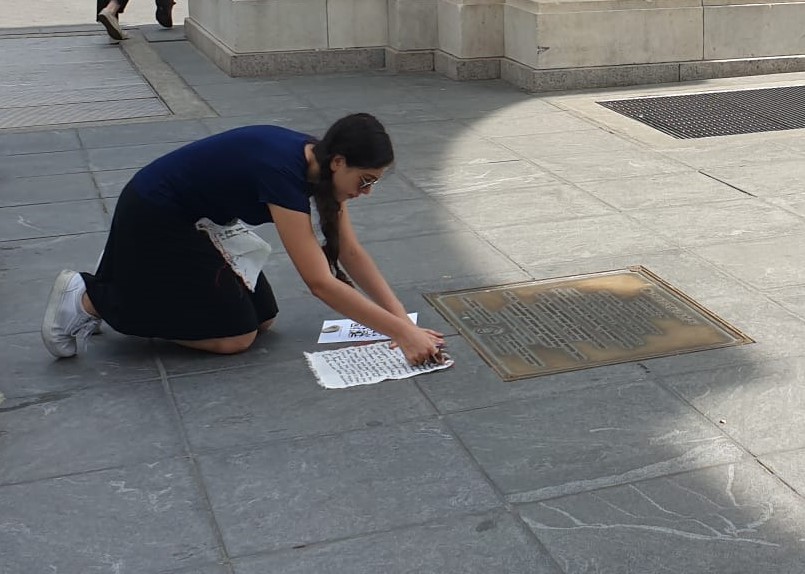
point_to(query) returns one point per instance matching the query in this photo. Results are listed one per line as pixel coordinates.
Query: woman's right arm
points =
(296, 232)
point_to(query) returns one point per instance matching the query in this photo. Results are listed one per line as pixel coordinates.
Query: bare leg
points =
(265, 326)
(113, 6)
(88, 306)
(222, 345)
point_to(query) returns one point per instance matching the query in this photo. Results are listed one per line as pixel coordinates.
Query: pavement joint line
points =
(476, 233)
(735, 187)
(195, 469)
(659, 381)
(73, 390)
(54, 202)
(361, 535)
(78, 234)
(91, 471)
(243, 448)
(499, 494)
(764, 294)
(180, 98)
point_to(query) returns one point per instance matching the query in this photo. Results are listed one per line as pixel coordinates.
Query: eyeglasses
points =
(367, 181)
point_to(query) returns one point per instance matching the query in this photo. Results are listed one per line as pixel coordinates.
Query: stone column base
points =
(521, 75)
(296, 62)
(532, 80)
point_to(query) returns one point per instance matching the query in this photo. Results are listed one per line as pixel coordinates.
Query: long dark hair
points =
(363, 142)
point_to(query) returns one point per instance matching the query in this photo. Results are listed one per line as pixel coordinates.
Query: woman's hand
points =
(420, 345)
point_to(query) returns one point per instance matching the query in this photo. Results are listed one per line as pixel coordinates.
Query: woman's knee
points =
(265, 325)
(232, 345)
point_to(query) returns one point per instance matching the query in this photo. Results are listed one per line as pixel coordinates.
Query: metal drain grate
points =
(718, 113)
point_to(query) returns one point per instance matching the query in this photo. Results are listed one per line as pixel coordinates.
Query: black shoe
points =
(164, 8)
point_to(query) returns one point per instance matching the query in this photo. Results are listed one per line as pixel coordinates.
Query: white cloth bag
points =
(244, 251)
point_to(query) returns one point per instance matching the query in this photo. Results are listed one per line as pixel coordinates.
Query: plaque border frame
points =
(738, 336)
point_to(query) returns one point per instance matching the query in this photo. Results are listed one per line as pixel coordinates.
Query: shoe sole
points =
(54, 300)
(112, 26)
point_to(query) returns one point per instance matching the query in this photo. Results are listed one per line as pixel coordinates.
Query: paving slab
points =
(111, 182)
(788, 466)
(406, 219)
(31, 370)
(380, 91)
(600, 436)
(16, 143)
(792, 298)
(460, 254)
(314, 490)
(494, 99)
(237, 91)
(569, 143)
(390, 113)
(79, 430)
(464, 151)
(48, 220)
(770, 325)
(792, 203)
(47, 188)
(733, 518)
(304, 120)
(475, 385)
(684, 270)
(128, 157)
(501, 208)
(780, 177)
(418, 133)
(48, 163)
(470, 544)
(29, 298)
(43, 258)
(103, 522)
(756, 404)
(608, 165)
(275, 401)
(267, 106)
(561, 241)
(766, 263)
(539, 121)
(482, 177)
(161, 132)
(663, 190)
(744, 154)
(709, 223)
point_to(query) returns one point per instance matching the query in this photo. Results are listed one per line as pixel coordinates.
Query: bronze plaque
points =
(554, 325)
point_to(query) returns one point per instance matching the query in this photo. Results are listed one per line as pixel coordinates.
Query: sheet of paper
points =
(348, 331)
(365, 365)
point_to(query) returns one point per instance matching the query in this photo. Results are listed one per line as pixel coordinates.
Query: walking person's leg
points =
(108, 13)
(163, 14)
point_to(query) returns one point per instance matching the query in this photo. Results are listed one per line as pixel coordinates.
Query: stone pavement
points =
(140, 457)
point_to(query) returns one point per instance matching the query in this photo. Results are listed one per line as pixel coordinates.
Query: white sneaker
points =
(111, 23)
(67, 325)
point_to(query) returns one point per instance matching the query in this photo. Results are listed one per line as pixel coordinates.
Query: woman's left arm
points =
(360, 266)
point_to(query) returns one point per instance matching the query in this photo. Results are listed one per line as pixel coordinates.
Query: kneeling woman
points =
(161, 277)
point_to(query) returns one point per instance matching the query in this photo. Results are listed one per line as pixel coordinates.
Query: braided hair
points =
(363, 142)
